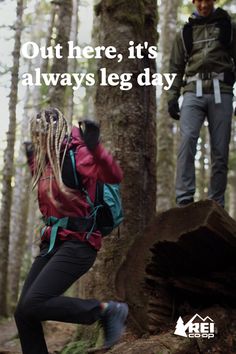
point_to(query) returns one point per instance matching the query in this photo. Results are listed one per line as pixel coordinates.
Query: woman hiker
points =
(66, 253)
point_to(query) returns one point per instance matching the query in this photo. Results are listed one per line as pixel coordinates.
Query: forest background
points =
(135, 126)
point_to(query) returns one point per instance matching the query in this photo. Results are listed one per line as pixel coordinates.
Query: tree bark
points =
(51, 24)
(165, 143)
(57, 93)
(8, 163)
(189, 255)
(128, 128)
(73, 63)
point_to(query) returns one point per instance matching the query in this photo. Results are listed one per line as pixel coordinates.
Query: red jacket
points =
(92, 166)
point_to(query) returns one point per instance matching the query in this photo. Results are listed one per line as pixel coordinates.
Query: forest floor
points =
(57, 334)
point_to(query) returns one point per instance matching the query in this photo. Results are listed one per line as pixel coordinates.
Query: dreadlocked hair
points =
(48, 131)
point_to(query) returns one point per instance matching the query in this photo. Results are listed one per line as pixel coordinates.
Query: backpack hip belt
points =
(215, 77)
(79, 224)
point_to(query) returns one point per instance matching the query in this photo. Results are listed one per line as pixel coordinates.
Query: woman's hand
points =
(90, 132)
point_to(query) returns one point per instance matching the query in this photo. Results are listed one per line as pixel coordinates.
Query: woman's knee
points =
(26, 307)
(20, 312)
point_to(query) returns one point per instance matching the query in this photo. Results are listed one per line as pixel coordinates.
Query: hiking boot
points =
(113, 322)
(185, 202)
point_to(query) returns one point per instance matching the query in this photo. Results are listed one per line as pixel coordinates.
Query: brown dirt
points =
(57, 335)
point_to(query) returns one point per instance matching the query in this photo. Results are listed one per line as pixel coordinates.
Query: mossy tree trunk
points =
(128, 127)
(73, 63)
(165, 143)
(8, 163)
(60, 65)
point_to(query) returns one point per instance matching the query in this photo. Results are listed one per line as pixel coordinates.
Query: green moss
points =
(98, 8)
(89, 336)
(79, 347)
(128, 12)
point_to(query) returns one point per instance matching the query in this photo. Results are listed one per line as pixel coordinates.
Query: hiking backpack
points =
(107, 207)
(225, 35)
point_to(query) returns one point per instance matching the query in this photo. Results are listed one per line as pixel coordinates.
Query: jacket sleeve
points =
(177, 66)
(233, 47)
(98, 164)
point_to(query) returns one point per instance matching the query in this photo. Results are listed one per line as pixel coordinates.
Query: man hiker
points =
(204, 58)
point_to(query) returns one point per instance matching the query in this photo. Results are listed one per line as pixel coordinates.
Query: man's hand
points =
(173, 109)
(90, 132)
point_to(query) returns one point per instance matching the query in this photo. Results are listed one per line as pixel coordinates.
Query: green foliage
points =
(221, 3)
(89, 336)
(79, 347)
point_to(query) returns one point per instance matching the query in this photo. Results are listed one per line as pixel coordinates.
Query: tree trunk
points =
(189, 261)
(57, 93)
(89, 99)
(40, 93)
(51, 24)
(72, 65)
(19, 213)
(128, 128)
(232, 173)
(232, 194)
(8, 164)
(165, 143)
(22, 192)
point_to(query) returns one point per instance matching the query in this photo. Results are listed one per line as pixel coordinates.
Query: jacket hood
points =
(218, 15)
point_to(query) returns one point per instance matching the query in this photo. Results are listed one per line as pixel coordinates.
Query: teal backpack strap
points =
(93, 214)
(55, 223)
(94, 209)
(72, 156)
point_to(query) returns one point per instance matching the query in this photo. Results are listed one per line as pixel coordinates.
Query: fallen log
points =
(185, 261)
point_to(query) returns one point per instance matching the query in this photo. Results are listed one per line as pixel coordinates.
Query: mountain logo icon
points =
(196, 327)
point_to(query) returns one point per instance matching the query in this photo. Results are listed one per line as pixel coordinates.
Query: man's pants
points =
(194, 110)
(41, 299)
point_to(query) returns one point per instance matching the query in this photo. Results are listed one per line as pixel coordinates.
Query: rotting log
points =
(185, 262)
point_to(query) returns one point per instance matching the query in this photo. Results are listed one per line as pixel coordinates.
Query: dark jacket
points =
(211, 51)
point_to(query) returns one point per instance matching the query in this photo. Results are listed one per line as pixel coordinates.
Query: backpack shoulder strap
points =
(226, 32)
(75, 174)
(70, 176)
(187, 39)
(99, 192)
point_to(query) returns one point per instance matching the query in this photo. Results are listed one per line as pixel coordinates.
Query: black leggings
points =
(41, 299)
